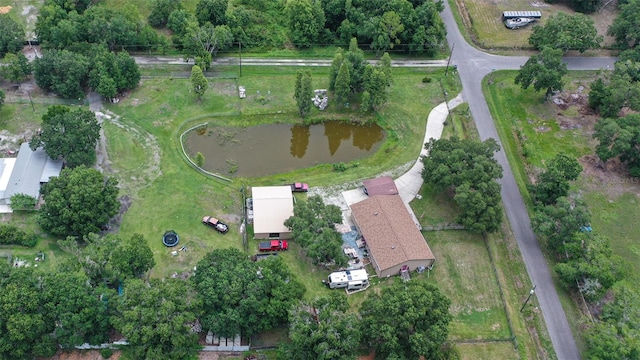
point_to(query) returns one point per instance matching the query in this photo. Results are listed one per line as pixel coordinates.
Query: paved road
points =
(473, 66)
(176, 60)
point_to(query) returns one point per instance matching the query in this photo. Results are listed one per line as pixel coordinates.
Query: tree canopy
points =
(62, 72)
(15, 67)
(313, 227)
(553, 182)
(305, 19)
(543, 70)
(243, 297)
(78, 202)
(406, 321)
(71, 135)
(132, 258)
(11, 35)
(619, 89)
(626, 26)
(157, 319)
(323, 329)
(199, 83)
(620, 138)
(470, 170)
(566, 32)
(303, 92)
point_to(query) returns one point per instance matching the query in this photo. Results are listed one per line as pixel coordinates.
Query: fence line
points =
(444, 226)
(184, 152)
(504, 301)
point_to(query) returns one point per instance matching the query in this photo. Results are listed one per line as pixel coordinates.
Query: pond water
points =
(277, 148)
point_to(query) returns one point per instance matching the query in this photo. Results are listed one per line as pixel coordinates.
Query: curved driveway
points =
(473, 66)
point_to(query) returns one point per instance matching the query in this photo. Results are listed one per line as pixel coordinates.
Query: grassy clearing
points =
(487, 351)
(527, 125)
(483, 21)
(464, 273)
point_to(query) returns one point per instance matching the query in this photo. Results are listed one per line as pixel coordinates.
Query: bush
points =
(12, 235)
(426, 79)
(106, 353)
(340, 167)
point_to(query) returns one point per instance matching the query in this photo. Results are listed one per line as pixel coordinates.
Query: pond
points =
(278, 148)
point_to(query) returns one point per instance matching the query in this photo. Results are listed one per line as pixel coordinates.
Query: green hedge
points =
(12, 235)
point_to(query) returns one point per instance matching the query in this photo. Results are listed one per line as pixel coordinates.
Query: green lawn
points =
(487, 351)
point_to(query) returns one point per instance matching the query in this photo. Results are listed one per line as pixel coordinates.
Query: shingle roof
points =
(389, 231)
(383, 185)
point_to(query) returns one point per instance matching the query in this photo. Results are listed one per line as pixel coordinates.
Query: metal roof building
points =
(31, 169)
(272, 205)
(521, 14)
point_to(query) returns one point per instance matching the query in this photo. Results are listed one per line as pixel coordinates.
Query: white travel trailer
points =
(350, 279)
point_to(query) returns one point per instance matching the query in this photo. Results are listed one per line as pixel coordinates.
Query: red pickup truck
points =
(273, 245)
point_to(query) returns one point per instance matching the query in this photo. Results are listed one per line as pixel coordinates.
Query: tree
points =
(1, 98)
(132, 258)
(626, 27)
(342, 84)
(621, 88)
(554, 181)
(430, 33)
(385, 31)
(323, 329)
(75, 309)
(242, 297)
(385, 66)
(357, 65)
(199, 83)
(200, 159)
(157, 319)
(313, 227)
(375, 83)
(205, 41)
(469, 169)
(67, 134)
(303, 92)
(406, 321)
(212, 11)
(566, 32)
(11, 35)
(305, 20)
(25, 326)
(62, 72)
(336, 63)
(78, 202)
(544, 70)
(22, 202)
(620, 138)
(160, 11)
(558, 223)
(16, 67)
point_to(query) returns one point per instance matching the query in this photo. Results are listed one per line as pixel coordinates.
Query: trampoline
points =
(170, 238)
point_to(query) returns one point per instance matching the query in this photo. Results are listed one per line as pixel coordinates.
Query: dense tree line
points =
(11, 35)
(467, 168)
(403, 321)
(618, 89)
(381, 25)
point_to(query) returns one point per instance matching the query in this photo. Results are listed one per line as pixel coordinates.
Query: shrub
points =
(106, 353)
(12, 235)
(340, 167)
(426, 79)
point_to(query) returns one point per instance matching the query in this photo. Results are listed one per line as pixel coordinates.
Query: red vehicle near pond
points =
(299, 187)
(216, 224)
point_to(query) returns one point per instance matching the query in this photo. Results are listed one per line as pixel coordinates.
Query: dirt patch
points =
(82, 355)
(5, 9)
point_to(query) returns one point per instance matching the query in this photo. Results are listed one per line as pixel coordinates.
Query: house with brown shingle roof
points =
(391, 237)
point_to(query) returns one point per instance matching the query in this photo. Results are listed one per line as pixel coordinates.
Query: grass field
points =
(612, 197)
(483, 21)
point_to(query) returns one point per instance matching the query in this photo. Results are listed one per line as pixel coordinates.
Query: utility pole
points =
(446, 70)
(531, 292)
(446, 102)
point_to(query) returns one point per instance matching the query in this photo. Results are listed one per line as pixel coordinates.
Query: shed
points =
(272, 205)
(383, 185)
(391, 237)
(521, 14)
(30, 171)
